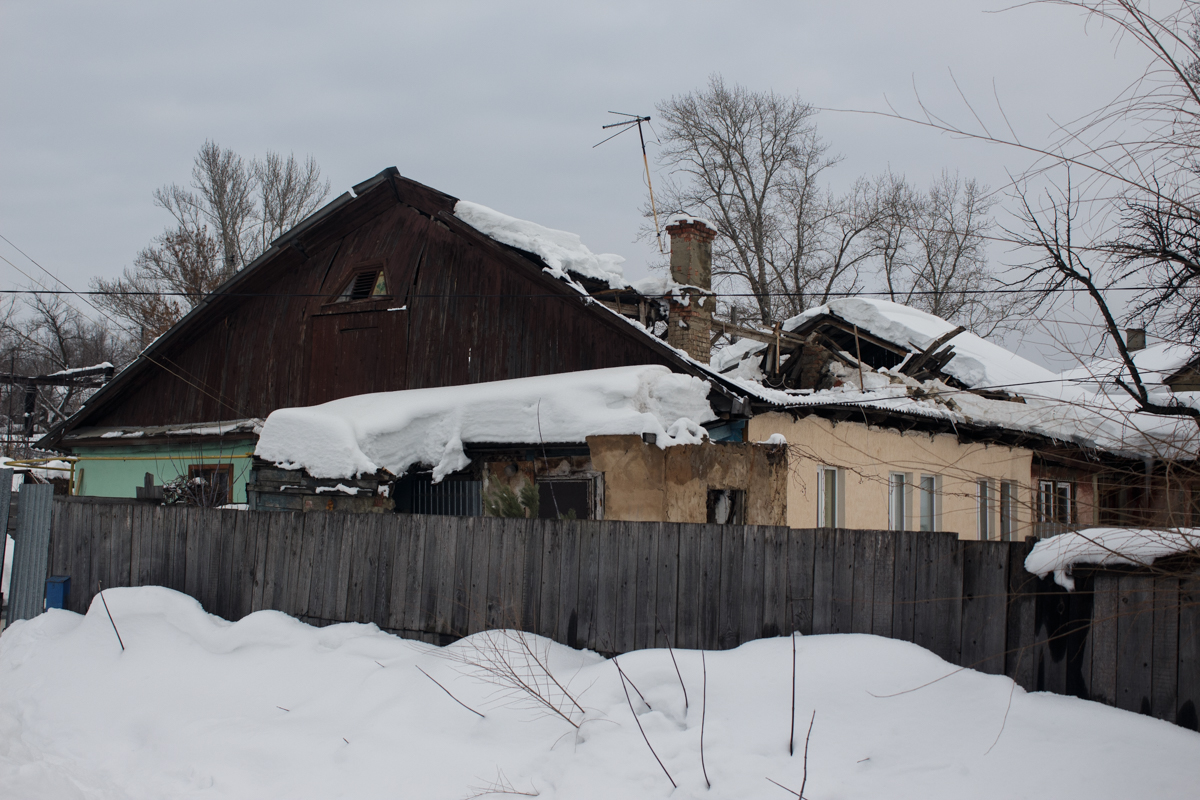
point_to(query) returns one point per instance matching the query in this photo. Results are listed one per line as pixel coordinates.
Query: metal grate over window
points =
(418, 494)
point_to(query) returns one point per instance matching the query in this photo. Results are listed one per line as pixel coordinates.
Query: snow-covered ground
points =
(270, 707)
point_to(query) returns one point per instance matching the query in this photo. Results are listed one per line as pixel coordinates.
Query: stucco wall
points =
(866, 456)
(117, 471)
(647, 483)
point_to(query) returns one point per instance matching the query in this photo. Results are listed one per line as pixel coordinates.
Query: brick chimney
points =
(689, 321)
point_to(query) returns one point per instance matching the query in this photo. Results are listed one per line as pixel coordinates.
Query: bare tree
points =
(748, 161)
(751, 162)
(45, 335)
(229, 215)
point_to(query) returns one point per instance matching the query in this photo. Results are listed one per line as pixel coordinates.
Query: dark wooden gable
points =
(459, 308)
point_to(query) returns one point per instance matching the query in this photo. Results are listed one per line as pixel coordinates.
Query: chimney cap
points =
(687, 219)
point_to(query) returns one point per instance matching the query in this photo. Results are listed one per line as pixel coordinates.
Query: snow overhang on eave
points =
(227, 430)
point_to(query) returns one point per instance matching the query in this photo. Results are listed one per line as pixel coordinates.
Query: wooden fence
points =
(1123, 638)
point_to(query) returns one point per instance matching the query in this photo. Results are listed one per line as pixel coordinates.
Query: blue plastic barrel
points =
(57, 589)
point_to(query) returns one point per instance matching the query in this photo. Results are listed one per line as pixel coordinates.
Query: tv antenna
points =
(625, 125)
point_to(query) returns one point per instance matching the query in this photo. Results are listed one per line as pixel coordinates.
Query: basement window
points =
(364, 285)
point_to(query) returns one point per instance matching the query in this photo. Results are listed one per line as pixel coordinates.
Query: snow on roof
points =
(1102, 546)
(1155, 364)
(977, 362)
(563, 252)
(396, 430)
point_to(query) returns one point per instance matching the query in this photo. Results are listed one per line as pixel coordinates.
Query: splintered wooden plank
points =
(122, 545)
(141, 547)
(407, 572)
(355, 548)
(732, 557)
(512, 565)
(1021, 630)
(276, 579)
(667, 593)
(1135, 642)
(824, 548)
(688, 597)
(862, 608)
(261, 526)
(646, 606)
(985, 596)
(949, 594)
(1103, 637)
(926, 624)
(480, 534)
(461, 587)
(775, 611)
(381, 606)
(710, 586)
(315, 559)
(338, 568)
(551, 580)
(751, 598)
(884, 585)
(435, 534)
(1164, 695)
(495, 616)
(627, 567)
(904, 586)
(245, 558)
(580, 581)
(800, 581)
(843, 581)
(445, 561)
(531, 573)
(1188, 699)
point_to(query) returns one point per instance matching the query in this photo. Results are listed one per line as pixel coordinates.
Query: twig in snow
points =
(629, 700)
(502, 785)
(447, 691)
(617, 664)
(1007, 708)
(344, 739)
(678, 674)
(378, 663)
(281, 708)
(792, 737)
(110, 618)
(807, 736)
(804, 778)
(703, 713)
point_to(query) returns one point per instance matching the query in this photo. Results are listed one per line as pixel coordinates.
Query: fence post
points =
(32, 551)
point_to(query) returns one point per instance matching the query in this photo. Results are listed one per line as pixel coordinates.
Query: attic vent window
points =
(363, 285)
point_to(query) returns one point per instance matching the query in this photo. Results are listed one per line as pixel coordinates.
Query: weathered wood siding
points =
(474, 311)
(1123, 638)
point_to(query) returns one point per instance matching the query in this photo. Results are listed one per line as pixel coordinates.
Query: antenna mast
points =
(624, 125)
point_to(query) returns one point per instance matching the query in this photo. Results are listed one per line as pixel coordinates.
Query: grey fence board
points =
(1126, 637)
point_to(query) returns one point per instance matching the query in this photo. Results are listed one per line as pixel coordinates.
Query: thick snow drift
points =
(563, 252)
(1133, 546)
(269, 707)
(394, 430)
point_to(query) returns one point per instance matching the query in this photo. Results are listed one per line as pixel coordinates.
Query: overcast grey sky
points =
(499, 103)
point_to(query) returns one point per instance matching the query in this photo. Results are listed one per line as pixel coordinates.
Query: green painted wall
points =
(118, 470)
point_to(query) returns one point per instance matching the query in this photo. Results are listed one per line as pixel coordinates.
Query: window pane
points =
(927, 501)
(829, 499)
(897, 513)
(984, 532)
(1007, 511)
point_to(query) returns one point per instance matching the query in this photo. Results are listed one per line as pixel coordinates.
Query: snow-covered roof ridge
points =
(1103, 546)
(395, 430)
(1155, 364)
(562, 251)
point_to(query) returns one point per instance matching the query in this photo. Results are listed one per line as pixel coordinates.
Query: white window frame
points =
(1047, 501)
(935, 502)
(984, 496)
(900, 501)
(1008, 511)
(837, 517)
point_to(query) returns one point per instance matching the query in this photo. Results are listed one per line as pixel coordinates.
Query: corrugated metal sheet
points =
(28, 582)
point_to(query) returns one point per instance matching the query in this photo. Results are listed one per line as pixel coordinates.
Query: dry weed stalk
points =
(501, 785)
(514, 662)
